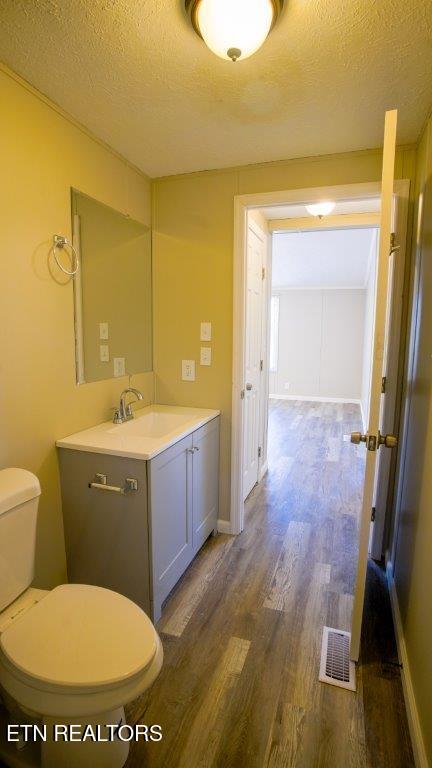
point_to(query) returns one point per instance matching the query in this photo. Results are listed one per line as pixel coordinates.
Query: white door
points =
(373, 437)
(387, 416)
(254, 300)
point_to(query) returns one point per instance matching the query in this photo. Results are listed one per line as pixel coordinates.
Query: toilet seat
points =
(79, 650)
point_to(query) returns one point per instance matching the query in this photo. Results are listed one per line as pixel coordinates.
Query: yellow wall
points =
(42, 155)
(413, 561)
(193, 255)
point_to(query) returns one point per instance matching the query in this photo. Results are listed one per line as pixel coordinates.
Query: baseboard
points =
(313, 399)
(224, 526)
(263, 470)
(418, 746)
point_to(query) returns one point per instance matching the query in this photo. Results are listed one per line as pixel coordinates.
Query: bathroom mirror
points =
(112, 292)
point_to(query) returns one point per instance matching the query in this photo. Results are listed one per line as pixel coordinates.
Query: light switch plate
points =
(206, 356)
(103, 331)
(119, 366)
(188, 370)
(104, 353)
(206, 331)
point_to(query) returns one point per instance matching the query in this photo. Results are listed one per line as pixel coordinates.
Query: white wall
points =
(321, 343)
(368, 332)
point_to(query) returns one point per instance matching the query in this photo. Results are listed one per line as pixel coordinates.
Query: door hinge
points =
(259, 452)
(383, 384)
(242, 395)
(373, 514)
(393, 246)
(263, 273)
(261, 365)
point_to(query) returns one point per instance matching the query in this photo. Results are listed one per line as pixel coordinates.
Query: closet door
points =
(256, 248)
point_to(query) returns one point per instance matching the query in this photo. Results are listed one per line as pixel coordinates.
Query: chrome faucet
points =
(124, 412)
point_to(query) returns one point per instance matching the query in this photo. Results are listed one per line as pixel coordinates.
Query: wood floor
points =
(242, 630)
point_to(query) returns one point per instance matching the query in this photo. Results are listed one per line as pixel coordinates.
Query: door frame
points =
(242, 204)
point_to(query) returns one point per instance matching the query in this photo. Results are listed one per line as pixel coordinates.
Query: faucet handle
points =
(117, 417)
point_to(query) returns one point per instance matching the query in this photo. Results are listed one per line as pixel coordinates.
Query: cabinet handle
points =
(192, 450)
(100, 484)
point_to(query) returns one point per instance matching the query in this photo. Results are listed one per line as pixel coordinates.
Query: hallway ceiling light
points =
(320, 209)
(233, 29)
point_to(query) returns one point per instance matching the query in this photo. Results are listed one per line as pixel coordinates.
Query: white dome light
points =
(233, 29)
(320, 209)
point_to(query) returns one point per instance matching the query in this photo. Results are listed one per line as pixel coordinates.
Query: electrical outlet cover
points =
(103, 331)
(188, 370)
(119, 366)
(104, 353)
(206, 331)
(205, 356)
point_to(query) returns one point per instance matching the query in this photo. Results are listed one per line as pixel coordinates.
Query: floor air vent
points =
(336, 667)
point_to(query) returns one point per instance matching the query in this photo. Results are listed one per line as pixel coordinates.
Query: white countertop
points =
(153, 430)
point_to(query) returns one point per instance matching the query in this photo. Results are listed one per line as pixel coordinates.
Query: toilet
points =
(71, 656)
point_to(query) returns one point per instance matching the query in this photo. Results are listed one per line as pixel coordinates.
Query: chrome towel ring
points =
(60, 241)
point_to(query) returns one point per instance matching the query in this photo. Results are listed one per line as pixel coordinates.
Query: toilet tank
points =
(19, 498)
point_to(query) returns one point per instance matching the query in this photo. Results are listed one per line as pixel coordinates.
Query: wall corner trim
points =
(418, 746)
(70, 118)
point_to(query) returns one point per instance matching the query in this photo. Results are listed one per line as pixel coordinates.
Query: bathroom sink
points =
(153, 430)
(153, 424)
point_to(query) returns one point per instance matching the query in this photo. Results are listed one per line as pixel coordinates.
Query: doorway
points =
(352, 195)
(271, 217)
(322, 303)
(310, 297)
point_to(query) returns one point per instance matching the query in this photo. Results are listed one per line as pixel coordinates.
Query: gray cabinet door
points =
(170, 484)
(106, 534)
(205, 482)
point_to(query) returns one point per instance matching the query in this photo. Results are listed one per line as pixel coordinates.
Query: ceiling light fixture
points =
(320, 209)
(233, 29)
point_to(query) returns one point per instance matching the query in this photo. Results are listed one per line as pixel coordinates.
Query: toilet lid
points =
(80, 635)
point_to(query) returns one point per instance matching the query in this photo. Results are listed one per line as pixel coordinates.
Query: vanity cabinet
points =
(140, 543)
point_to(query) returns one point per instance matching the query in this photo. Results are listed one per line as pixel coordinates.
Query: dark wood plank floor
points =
(242, 630)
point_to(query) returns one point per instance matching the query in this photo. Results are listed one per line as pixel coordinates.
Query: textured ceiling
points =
(135, 74)
(329, 259)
